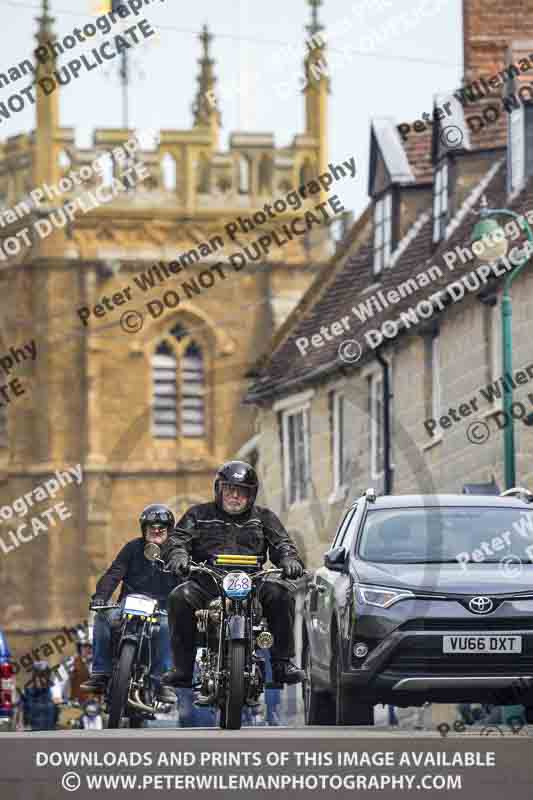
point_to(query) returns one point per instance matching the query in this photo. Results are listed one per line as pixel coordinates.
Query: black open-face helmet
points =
(157, 514)
(237, 473)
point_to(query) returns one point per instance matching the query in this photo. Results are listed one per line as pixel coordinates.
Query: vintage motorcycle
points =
(130, 692)
(231, 672)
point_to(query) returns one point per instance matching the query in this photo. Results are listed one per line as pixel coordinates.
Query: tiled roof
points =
(287, 368)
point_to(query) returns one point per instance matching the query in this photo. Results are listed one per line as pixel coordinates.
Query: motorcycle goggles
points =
(158, 518)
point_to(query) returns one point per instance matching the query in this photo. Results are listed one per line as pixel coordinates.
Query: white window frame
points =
(382, 232)
(440, 200)
(516, 150)
(339, 445)
(436, 385)
(301, 496)
(376, 420)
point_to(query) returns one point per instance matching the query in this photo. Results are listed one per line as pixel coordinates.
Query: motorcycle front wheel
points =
(120, 684)
(230, 717)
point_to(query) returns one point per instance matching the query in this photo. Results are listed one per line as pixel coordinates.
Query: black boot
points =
(181, 626)
(166, 695)
(284, 671)
(177, 679)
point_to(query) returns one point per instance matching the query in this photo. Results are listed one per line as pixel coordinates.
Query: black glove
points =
(97, 600)
(291, 568)
(179, 564)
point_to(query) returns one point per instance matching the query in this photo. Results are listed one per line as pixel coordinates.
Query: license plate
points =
(237, 584)
(135, 604)
(482, 644)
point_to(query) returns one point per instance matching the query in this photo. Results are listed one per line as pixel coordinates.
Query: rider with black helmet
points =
(231, 524)
(138, 575)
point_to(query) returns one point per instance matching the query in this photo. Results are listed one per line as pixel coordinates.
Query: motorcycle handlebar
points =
(202, 568)
(104, 608)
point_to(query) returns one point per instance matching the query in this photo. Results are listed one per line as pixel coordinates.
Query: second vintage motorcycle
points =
(231, 631)
(130, 693)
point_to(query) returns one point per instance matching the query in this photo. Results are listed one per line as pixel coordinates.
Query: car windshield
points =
(447, 535)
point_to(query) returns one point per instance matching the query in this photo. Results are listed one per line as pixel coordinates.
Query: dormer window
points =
(382, 232)
(440, 201)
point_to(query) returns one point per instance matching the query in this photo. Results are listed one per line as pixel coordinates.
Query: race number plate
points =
(237, 584)
(482, 644)
(143, 606)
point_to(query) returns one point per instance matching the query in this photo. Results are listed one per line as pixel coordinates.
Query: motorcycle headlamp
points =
(382, 596)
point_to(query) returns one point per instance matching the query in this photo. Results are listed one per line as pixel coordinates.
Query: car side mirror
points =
(335, 559)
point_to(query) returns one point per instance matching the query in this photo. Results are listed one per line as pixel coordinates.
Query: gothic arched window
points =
(178, 387)
(164, 381)
(192, 392)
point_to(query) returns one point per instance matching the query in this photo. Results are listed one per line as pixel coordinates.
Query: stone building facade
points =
(387, 298)
(148, 413)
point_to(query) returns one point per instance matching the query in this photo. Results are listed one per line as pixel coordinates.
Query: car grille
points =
(418, 654)
(474, 624)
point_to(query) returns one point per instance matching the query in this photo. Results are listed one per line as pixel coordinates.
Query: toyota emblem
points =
(481, 605)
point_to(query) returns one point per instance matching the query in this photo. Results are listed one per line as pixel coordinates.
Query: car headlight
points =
(382, 596)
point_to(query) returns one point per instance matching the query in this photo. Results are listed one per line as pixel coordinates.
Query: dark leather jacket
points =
(137, 575)
(205, 530)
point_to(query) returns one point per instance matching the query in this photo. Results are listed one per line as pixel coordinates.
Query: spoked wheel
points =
(120, 684)
(230, 715)
(349, 709)
(319, 707)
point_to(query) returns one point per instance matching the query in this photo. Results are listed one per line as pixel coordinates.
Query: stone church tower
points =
(148, 413)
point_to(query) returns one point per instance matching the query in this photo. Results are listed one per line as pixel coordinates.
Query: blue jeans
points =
(393, 719)
(161, 659)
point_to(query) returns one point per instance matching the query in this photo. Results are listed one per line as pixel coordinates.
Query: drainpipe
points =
(387, 469)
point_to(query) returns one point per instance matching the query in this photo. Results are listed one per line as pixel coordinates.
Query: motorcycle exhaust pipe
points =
(139, 705)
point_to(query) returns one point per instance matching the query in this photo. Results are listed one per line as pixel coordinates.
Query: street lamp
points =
(489, 236)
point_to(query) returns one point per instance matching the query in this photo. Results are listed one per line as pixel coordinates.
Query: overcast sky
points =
(258, 48)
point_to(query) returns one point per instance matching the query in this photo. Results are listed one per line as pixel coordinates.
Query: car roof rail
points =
(370, 495)
(520, 492)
